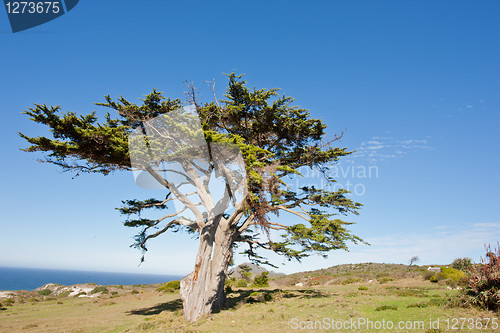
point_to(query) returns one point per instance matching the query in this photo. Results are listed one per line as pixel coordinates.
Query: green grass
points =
(250, 309)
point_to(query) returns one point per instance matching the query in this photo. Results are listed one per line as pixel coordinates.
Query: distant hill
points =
(352, 273)
(254, 270)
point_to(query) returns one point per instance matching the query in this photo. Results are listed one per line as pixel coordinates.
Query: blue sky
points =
(414, 85)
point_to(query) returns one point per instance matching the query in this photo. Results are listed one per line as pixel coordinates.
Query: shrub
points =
(9, 302)
(450, 273)
(428, 274)
(386, 307)
(418, 305)
(242, 283)
(114, 293)
(433, 279)
(483, 287)
(134, 292)
(170, 287)
(268, 297)
(44, 292)
(362, 288)
(228, 289)
(385, 280)
(261, 280)
(101, 289)
(65, 294)
(462, 264)
(231, 282)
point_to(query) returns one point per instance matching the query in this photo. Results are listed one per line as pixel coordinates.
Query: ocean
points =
(31, 278)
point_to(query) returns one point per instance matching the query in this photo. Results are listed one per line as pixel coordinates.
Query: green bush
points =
(170, 286)
(462, 264)
(65, 294)
(433, 279)
(418, 305)
(385, 280)
(241, 283)
(261, 280)
(44, 292)
(134, 292)
(228, 289)
(101, 289)
(386, 307)
(268, 297)
(114, 293)
(9, 302)
(450, 273)
(362, 288)
(231, 282)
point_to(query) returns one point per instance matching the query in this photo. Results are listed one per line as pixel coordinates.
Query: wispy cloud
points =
(439, 245)
(379, 148)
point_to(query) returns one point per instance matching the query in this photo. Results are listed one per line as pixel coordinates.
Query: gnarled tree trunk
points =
(202, 291)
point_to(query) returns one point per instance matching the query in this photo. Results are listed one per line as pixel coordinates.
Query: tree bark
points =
(202, 291)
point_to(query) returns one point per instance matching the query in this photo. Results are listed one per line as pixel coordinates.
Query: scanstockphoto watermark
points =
(351, 177)
(357, 324)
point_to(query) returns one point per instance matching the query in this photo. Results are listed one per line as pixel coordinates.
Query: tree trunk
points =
(202, 291)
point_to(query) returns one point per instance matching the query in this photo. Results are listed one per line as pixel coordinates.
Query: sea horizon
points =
(27, 278)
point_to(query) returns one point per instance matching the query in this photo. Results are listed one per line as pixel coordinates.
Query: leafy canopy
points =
(277, 141)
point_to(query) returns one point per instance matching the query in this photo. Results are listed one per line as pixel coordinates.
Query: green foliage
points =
(433, 279)
(418, 305)
(100, 289)
(276, 138)
(170, 286)
(134, 292)
(9, 302)
(483, 285)
(450, 273)
(386, 307)
(44, 292)
(362, 288)
(65, 294)
(261, 280)
(462, 264)
(385, 280)
(241, 283)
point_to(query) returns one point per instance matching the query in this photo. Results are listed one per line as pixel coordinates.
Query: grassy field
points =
(412, 301)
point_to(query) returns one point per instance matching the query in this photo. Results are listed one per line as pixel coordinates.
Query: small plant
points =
(483, 287)
(462, 264)
(228, 289)
(241, 283)
(418, 305)
(65, 294)
(134, 292)
(362, 288)
(448, 273)
(261, 280)
(114, 293)
(433, 279)
(9, 302)
(44, 292)
(170, 286)
(101, 289)
(268, 297)
(386, 307)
